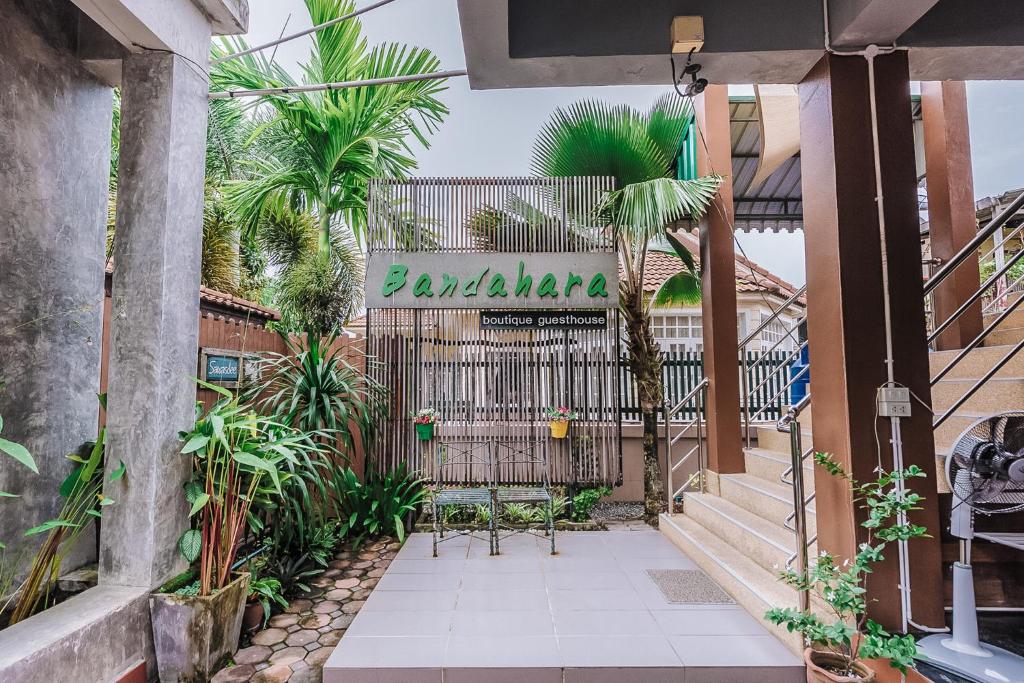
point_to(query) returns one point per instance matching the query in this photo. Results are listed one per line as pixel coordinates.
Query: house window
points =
(676, 333)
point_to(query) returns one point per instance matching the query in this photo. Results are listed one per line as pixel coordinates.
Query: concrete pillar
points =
(951, 217)
(845, 310)
(155, 321)
(718, 281)
(54, 166)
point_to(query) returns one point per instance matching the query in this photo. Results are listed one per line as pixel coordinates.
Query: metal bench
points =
(458, 466)
(509, 456)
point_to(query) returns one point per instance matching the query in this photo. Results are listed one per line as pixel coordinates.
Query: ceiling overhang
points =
(548, 43)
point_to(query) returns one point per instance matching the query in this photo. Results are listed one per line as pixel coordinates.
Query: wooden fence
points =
(682, 371)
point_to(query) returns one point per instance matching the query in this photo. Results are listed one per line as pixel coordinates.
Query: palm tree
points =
(327, 145)
(592, 138)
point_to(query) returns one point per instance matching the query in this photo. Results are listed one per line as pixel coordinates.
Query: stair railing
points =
(695, 400)
(968, 251)
(797, 521)
(763, 363)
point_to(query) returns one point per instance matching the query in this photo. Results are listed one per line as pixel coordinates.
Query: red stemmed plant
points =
(234, 452)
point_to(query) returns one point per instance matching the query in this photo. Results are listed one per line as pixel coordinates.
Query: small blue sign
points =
(222, 368)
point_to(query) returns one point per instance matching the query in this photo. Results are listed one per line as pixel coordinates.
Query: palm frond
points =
(641, 210)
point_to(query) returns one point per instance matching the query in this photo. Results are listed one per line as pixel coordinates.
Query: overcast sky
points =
(491, 132)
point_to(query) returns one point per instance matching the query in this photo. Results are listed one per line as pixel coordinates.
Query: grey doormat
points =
(689, 587)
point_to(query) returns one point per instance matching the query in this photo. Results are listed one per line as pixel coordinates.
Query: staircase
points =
(1004, 391)
(738, 536)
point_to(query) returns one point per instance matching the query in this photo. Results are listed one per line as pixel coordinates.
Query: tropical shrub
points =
(267, 591)
(21, 455)
(82, 492)
(233, 451)
(842, 587)
(584, 501)
(314, 389)
(381, 505)
(319, 150)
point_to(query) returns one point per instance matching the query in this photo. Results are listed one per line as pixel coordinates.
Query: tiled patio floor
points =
(590, 614)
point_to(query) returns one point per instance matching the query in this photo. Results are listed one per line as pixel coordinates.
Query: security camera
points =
(696, 87)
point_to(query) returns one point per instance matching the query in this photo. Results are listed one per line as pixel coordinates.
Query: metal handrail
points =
(972, 247)
(746, 363)
(790, 422)
(977, 385)
(700, 476)
(977, 341)
(764, 323)
(975, 296)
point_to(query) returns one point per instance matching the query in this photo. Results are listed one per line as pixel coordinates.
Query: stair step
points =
(771, 502)
(769, 465)
(1003, 335)
(767, 544)
(978, 362)
(771, 439)
(752, 586)
(993, 397)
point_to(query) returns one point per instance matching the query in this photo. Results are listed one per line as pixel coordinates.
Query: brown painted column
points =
(845, 309)
(718, 281)
(951, 218)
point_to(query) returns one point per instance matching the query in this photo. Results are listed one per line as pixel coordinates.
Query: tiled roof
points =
(217, 299)
(235, 303)
(661, 265)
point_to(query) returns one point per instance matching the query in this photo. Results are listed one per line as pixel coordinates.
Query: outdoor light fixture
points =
(687, 37)
(687, 34)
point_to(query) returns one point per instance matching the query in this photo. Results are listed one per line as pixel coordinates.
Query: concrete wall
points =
(54, 166)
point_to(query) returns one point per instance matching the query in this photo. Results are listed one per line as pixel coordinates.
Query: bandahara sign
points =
(492, 280)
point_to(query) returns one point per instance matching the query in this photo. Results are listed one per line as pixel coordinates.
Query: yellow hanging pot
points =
(559, 428)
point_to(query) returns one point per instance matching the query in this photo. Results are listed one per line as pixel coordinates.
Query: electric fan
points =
(985, 471)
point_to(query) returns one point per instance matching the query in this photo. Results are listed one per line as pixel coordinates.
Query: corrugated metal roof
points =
(776, 204)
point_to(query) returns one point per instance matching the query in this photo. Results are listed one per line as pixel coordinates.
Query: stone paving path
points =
(297, 642)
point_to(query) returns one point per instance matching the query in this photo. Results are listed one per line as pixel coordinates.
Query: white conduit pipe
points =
(300, 34)
(896, 436)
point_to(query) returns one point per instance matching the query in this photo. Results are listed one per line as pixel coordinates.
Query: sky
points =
(491, 132)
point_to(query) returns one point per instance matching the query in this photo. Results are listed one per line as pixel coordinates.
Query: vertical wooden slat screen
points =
(494, 384)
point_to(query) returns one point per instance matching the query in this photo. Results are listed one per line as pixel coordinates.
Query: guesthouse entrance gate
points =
(491, 300)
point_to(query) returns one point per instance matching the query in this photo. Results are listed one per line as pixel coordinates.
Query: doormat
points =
(689, 587)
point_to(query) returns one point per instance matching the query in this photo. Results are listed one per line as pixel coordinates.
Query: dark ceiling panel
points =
(589, 28)
(966, 23)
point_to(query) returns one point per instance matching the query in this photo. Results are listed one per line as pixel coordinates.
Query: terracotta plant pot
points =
(194, 636)
(820, 667)
(559, 428)
(425, 432)
(252, 618)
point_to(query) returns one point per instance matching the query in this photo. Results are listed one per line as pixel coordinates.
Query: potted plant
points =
(263, 594)
(559, 419)
(838, 647)
(232, 451)
(425, 419)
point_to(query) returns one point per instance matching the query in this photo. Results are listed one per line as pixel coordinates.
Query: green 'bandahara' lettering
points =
(598, 286)
(496, 287)
(548, 286)
(449, 284)
(574, 280)
(469, 289)
(422, 286)
(395, 279)
(524, 283)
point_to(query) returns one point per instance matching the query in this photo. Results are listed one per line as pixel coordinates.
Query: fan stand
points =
(962, 652)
